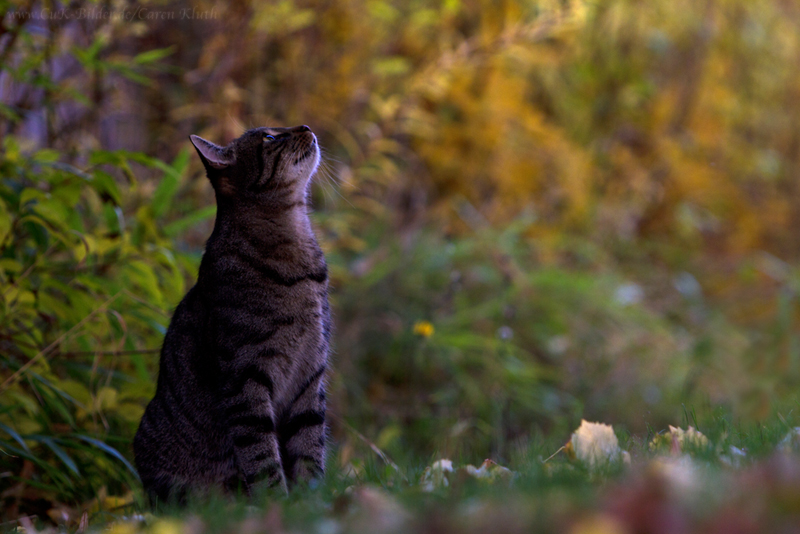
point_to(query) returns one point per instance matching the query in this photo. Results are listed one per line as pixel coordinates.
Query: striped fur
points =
(240, 399)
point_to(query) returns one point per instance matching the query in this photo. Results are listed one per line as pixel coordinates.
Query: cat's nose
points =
(303, 128)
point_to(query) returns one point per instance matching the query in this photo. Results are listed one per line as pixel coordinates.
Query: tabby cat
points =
(240, 399)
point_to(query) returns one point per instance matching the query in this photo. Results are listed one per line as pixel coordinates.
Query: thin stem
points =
(383, 456)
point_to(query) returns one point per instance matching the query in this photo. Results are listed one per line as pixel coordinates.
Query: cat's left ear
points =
(213, 156)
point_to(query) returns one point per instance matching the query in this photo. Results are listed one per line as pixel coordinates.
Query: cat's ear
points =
(213, 156)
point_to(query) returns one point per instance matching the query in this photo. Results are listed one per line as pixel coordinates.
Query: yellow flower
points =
(423, 328)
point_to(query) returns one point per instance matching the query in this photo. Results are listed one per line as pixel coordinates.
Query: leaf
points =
(28, 194)
(9, 113)
(49, 305)
(129, 411)
(5, 222)
(281, 18)
(58, 451)
(152, 56)
(66, 167)
(181, 161)
(46, 466)
(10, 266)
(106, 187)
(391, 66)
(109, 450)
(39, 485)
(678, 439)
(596, 445)
(436, 475)
(54, 211)
(141, 274)
(164, 192)
(129, 73)
(11, 432)
(176, 227)
(106, 399)
(77, 392)
(47, 156)
(51, 400)
(88, 56)
(60, 390)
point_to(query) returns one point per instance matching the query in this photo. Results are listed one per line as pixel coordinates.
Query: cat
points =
(240, 397)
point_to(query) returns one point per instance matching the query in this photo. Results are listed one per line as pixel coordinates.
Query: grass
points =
(743, 475)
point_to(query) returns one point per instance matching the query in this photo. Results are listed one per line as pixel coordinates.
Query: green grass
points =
(699, 488)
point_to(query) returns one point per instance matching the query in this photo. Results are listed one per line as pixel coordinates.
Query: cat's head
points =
(271, 165)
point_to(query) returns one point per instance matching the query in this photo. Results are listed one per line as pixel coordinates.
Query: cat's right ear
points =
(213, 156)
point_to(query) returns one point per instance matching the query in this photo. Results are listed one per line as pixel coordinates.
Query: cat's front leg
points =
(303, 431)
(251, 421)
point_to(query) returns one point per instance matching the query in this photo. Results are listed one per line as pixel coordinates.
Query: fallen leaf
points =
(489, 470)
(435, 476)
(791, 442)
(595, 444)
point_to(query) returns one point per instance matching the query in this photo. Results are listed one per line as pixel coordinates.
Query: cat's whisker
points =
(329, 156)
(338, 178)
(326, 162)
(323, 182)
(328, 189)
(332, 179)
(237, 122)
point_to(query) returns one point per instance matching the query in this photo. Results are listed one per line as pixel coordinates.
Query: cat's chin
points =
(310, 157)
(315, 159)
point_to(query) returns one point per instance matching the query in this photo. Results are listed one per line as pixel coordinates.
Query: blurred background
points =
(534, 211)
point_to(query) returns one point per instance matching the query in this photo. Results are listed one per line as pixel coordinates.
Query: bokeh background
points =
(534, 211)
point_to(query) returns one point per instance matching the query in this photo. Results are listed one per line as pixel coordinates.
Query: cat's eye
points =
(268, 137)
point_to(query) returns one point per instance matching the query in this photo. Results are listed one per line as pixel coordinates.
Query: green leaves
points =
(108, 450)
(13, 433)
(175, 228)
(169, 184)
(5, 222)
(86, 272)
(153, 56)
(58, 451)
(134, 69)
